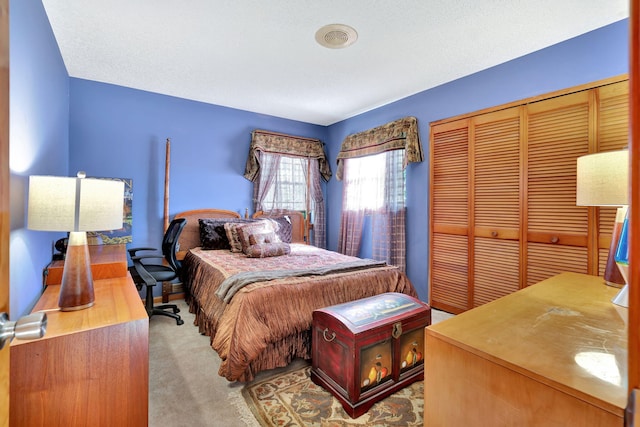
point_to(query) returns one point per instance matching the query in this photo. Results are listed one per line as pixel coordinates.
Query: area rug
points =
(292, 399)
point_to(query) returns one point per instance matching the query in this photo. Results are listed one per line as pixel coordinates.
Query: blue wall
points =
(39, 140)
(593, 56)
(118, 132)
(121, 132)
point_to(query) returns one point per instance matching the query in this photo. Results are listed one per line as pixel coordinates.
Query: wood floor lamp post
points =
(167, 162)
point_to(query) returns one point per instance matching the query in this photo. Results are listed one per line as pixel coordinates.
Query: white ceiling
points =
(261, 55)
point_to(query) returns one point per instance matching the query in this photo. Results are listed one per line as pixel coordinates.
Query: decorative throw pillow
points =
(282, 226)
(213, 234)
(260, 238)
(268, 250)
(232, 235)
(245, 230)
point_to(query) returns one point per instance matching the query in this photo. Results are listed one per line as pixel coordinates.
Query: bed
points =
(266, 321)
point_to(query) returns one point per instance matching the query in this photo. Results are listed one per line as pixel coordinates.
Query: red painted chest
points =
(366, 350)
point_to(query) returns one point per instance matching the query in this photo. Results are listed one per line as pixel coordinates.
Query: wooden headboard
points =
(190, 237)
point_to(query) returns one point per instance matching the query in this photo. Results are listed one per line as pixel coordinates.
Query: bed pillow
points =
(235, 239)
(244, 231)
(232, 236)
(268, 250)
(213, 234)
(282, 226)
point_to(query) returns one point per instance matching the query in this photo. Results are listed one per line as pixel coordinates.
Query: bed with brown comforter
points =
(258, 311)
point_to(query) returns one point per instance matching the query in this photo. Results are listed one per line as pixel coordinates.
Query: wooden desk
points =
(552, 354)
(90, 368)
(107, 261)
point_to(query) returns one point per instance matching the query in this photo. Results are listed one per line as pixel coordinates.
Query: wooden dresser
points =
(552, 354)
(92, 365)
(107, 261)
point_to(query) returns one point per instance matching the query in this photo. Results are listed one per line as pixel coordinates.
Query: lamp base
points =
(613, 284)
(612, 274)
(77, 307)
(622, 297)
(76, 289)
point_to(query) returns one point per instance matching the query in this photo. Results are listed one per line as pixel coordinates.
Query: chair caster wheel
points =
(180, 322)
(176, 310)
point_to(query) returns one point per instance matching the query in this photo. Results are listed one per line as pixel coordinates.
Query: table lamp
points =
(75, 205)
(603, 180)
(622, 260)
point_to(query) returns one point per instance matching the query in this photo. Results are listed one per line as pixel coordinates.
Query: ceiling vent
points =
(336, 36)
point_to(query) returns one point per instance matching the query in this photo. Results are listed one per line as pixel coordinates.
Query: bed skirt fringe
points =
(268, 325)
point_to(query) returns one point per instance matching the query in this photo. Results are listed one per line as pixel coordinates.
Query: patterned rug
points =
(292, 399)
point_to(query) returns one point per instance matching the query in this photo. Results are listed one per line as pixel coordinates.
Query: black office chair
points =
(149, 274)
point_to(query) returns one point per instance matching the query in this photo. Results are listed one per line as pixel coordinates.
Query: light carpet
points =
(184, 385)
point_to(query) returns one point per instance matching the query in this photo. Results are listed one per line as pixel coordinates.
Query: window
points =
(364, 182)
(290, 187)
(292, 183)
(286, 172)
(372, 163)
(373, 182)
(375, 185)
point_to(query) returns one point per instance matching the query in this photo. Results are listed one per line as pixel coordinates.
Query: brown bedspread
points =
(267, 324)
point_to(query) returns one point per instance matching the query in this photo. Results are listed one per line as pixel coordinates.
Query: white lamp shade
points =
(74, 204)
(603, 179)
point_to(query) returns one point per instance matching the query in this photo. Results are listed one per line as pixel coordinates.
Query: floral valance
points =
(396, 135)
(287, 145)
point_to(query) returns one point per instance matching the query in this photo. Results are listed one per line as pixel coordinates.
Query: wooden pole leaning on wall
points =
(167, 164)
(307, 207)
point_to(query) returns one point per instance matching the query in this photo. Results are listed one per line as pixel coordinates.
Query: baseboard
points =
(159, 299)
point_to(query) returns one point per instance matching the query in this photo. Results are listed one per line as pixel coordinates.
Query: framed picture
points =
(121, 235)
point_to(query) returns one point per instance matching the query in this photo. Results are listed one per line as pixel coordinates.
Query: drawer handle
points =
(324, 335)
(555, 239)
(494, 234)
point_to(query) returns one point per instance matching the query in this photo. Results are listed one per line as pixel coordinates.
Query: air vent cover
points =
(336, 36)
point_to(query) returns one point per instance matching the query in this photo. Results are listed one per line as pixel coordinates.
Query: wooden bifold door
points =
(503, 211)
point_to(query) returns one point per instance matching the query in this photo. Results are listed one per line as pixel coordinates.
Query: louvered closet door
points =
(448, 284)
(558, 133)
(496, 205)
(613, 134)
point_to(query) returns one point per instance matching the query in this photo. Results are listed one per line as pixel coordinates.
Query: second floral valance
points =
(288, 145)
(399, 134)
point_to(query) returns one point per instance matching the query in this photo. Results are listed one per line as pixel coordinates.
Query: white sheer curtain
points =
(317, 206)
(282, 183)
(268, 176)
(388, 222)
(375, 185)
(291, 183)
